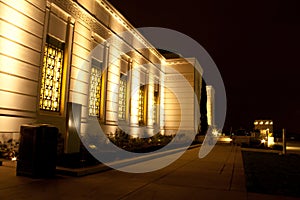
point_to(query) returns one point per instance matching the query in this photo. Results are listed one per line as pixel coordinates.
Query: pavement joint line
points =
(226, 161)
(155, 179)
(233, 168)
(126, 162)
(171, 151)
(199, 187)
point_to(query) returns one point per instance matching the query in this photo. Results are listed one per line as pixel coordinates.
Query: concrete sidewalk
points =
(220, 175)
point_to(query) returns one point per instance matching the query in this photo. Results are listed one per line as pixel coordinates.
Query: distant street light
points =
(283, 142)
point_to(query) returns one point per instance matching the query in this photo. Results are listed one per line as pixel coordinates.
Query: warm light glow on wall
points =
(9, 47)
(11, 32)
(12, 16)
(52, 75)
(12, 27)
(135, 82)
(162, 102)
(150, 103)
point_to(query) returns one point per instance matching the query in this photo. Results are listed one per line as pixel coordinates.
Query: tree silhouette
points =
(203, 109)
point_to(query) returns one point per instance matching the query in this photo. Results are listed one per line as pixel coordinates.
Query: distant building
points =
(210, 105)
(264, 126)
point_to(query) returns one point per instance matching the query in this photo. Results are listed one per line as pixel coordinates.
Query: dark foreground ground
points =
(272, 173)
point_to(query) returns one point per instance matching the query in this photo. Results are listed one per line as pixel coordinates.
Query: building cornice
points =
(91, 19)
(129, 27)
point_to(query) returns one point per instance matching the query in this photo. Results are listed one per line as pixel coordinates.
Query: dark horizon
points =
(255, 45)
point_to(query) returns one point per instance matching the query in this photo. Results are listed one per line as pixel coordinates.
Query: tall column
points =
(134, 94)
(104, 77)
(161, 104)
(150, 104)
(113, 78)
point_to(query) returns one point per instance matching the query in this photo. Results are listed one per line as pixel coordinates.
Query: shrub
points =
(277, 147)
(128, 143)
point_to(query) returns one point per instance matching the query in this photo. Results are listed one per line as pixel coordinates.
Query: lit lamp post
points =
(283, 142)
(267, 132)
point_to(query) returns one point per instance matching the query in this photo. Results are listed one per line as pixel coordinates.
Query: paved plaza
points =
(220, 175)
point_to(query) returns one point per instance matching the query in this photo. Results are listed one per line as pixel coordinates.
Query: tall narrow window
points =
(95, 88)
(51, 83)
(155, 103)
(141, 113)
(124, 65)
(122, 97)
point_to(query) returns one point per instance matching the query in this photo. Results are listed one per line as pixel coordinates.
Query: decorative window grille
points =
(95, 88)
(52, 74)
(141, 107)
(122, 97)
(155, 103)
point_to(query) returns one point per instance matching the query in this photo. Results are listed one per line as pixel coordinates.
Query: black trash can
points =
(37, 151)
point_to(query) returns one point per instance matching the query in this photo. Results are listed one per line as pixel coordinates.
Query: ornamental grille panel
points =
(122, 97)
(95, 88)
(155, 103)
(51, 83)
(141, 114)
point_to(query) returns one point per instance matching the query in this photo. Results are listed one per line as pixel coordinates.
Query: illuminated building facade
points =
(47, 71)
(264, 126)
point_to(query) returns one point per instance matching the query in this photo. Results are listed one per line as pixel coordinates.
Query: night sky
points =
(255, 44)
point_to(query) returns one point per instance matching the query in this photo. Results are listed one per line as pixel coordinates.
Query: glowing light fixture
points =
(92, 146)
(215, 132)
